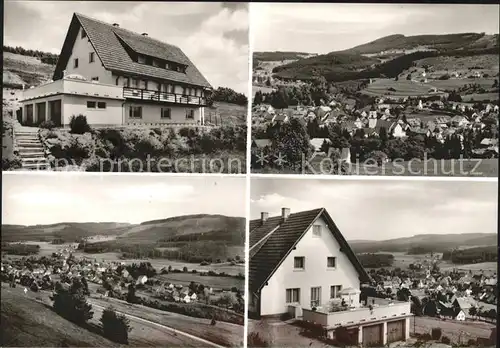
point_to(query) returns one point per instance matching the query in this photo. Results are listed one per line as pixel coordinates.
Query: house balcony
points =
(162, 97)
(73, 87)
(357, 316)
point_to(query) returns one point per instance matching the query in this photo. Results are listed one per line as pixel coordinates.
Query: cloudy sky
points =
(29, 199)
(213, 35)
(382, 209)
(322, 28)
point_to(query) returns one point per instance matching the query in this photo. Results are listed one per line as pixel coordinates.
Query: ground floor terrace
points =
(376, 323)
(103, 105)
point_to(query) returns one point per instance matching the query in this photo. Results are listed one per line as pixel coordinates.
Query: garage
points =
(372, 335)
(395, 331)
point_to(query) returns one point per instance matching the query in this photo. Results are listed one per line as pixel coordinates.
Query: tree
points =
(383, 134)
(258, 98)
(131, 297)
(403, 295)
(227, 300)
(293, 142)
(71, 303)
(473, 311)
(85, 286)
(495, 84)
(268, 82)
(115, 327)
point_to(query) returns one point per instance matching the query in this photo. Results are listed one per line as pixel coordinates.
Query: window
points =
(335, 291)
(141, 59)
(299, 262)
(316, 230)
(293, 295)
(135, 83)
(101, 105)
(91, 104)
(190, 114)
(315, 296)
(95, 78)
(168, 66)
(145, 84)
(91, 57)
(149, 61)
(166, 113)
(135, 112)
(75, 63)
(331, 262)
(84, 34)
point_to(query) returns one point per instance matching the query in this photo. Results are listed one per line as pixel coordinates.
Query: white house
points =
(301, 264)
(114, 76)
(142, 280)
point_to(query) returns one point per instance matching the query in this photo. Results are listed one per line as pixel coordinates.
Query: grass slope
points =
(19, 69)
(27, 323)
(279, 56)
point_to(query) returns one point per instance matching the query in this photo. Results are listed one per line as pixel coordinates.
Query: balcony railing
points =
(357, 316)
(146, 94)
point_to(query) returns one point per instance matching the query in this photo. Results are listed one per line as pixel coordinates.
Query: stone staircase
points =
(30, 149)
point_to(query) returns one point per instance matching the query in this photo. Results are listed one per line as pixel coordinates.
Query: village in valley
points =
(395, 99)
(432, 290)
(177, 281)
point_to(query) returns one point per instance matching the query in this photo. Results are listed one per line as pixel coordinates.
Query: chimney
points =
(263, 217)
(144, 34)
(285, 212)
(116, 25)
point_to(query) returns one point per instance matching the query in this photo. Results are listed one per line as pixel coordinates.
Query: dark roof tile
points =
(105, 39)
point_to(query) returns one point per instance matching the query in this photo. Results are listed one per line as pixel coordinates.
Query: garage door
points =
(395, 331)
(372, 335)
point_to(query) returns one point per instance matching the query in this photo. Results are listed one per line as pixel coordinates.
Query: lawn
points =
(490, 267)
(214, 282)
(229, 113)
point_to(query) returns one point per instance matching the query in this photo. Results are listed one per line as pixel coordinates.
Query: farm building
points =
(301, 265)
(114, 76)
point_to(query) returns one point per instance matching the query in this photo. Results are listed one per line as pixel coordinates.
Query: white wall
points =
(151, 113)
(81, 50)
(315, 250)
(76, 105)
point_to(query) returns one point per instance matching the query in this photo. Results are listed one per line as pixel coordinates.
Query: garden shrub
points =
(79, 125)
(11, 163)
(48, 124)
(445, 340)
(436, 333)
(254, 339)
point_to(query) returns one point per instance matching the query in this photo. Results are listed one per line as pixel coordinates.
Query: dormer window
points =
(141, 59)
(149, 61)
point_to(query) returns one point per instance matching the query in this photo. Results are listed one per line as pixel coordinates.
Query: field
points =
(455, 330)
(229, 113)
(480, 97)
(490, 267)
(215, 282)
(404, 88)
(450, 84)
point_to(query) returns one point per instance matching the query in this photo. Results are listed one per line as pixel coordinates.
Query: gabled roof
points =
(111, 44)
(276, 246)
(261, 143)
